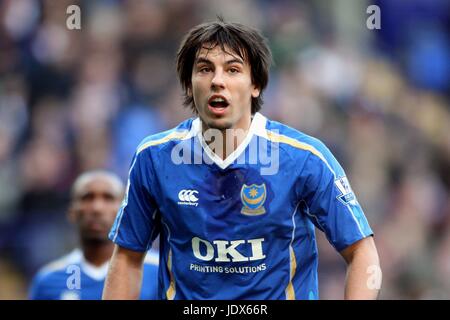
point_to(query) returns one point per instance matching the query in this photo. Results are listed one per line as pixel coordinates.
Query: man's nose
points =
(218, 80)
(98, 205)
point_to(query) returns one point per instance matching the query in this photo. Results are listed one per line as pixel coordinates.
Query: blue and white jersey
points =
(73, 278)
(243, 227)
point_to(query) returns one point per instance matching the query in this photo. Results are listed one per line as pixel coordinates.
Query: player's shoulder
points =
(160, 140)
(296, 140)
(299, 144)
(60, 265)
(57, 269)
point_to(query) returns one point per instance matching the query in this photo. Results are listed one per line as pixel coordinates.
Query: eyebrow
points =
(90, 193)
(207, 61)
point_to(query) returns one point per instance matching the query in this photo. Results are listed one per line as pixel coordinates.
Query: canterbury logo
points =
(188, 197)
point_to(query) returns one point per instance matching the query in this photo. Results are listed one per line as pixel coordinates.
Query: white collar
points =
(257, 127)
(96, 273)
(99, 273)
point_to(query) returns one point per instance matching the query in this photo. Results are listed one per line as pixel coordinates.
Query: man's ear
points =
(255, 92)
(71, 214)
(189, 91)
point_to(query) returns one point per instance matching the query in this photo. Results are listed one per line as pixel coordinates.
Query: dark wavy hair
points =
(247, 42)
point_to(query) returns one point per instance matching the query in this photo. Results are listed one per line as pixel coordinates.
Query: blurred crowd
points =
(73, 100)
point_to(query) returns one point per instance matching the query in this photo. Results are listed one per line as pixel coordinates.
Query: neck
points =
(228, 140)
(97, 253)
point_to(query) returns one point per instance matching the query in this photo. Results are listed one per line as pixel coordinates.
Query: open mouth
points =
(218, 102)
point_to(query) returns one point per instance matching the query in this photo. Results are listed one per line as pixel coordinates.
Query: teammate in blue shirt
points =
(96, 197)
(234, 196)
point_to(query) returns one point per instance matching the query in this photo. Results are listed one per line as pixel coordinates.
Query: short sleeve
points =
(331, 204)
(136, 222)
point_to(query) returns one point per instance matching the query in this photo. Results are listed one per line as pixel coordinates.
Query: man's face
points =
(94, 208)
(222, 89)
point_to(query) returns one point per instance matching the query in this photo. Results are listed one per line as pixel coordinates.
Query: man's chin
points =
(219, 124)
(95, 239)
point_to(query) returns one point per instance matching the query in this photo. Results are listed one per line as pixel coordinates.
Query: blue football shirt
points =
(73, 278)
(242, 227)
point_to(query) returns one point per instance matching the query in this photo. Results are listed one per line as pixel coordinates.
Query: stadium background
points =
(76, 100)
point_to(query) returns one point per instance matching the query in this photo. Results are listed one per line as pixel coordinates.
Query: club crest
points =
(253, 198)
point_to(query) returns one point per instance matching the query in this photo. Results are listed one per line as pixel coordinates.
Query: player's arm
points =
(124, 275)
(363, 279)
(333, 207)
(135, 227)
